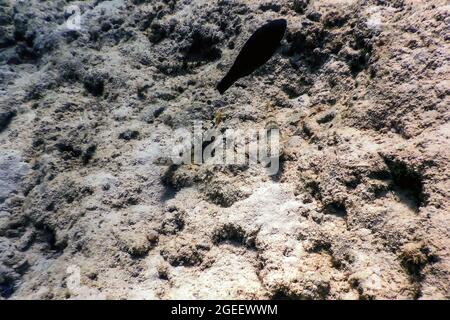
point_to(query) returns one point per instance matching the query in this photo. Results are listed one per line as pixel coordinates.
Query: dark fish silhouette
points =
(258, 49)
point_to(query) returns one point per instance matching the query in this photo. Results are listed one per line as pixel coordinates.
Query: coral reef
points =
(359, 209)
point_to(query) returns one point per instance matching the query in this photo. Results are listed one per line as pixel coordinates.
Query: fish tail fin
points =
(224, 84)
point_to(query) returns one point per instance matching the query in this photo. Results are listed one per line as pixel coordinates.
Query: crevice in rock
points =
(202, 48)
(336, 208)
(407, 183)
(234, 234)
(6, 118)
(6, 287)
(48, 235)
(282, 294)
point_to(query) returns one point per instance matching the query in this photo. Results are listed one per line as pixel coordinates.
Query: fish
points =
(258, 49)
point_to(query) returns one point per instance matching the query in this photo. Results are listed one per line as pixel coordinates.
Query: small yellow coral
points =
(218, 117)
